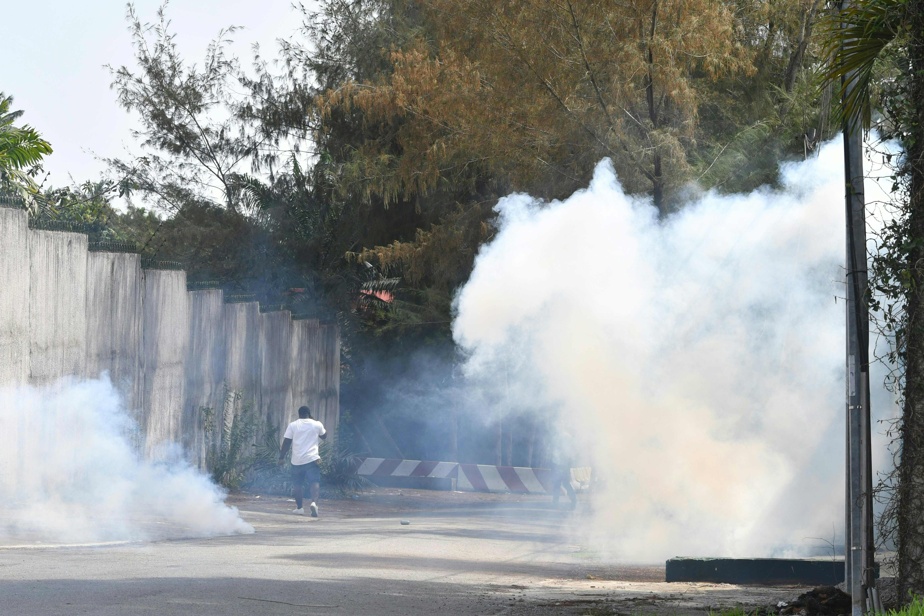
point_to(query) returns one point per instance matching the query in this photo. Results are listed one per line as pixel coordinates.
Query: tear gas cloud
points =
(69, 474)
(696, 362)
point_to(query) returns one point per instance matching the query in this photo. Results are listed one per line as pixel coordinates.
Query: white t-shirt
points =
(305, 435)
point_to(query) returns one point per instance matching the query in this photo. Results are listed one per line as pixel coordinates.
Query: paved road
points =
(469, 556)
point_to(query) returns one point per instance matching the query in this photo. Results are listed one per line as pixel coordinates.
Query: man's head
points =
(304, 412)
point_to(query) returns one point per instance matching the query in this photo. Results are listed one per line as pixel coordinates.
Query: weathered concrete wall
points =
(205, 370)
(315, 370)
(14, 297)
(329, 365)
(166, 339)
(65, 311)
(57, 304)
(276, 403)
(114, 325)
(242, 346)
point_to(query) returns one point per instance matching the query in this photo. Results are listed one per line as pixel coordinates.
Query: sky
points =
(54, 56)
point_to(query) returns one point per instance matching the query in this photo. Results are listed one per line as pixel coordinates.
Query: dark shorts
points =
(310, 472)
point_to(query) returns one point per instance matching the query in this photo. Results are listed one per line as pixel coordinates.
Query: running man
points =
(302, 436)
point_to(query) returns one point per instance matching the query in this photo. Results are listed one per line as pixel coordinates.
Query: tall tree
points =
(195, 149)
(536, 92)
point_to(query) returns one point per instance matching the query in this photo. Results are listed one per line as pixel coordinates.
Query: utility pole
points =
(859, 547)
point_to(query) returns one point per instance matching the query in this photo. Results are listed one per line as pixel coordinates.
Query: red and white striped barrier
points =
(471, 477)
(383, 467)
(487, 478)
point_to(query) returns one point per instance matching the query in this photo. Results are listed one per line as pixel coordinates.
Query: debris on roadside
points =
(820, 601)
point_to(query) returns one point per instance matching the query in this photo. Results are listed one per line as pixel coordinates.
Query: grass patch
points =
(915, 608)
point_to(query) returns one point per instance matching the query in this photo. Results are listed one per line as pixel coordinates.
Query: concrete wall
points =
(57, 305)
(205, 369)
(115, 290)
(14, 297)
(166, 340)
(276, 400)
(316, 380)
(66, 311)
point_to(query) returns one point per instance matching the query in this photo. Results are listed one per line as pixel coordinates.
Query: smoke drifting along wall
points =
(696, 362)
(70, 474)
(69, 315)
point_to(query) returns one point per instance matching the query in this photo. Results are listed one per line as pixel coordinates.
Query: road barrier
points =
(384, 467)
(473, 477)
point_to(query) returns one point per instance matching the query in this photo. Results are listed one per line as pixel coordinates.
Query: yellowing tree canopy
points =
(534, 93)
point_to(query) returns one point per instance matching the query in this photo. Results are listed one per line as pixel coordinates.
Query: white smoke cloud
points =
(696, 362)
(68, 474)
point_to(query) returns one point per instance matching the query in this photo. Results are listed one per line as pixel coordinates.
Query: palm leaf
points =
(21, 147)
(854, 39)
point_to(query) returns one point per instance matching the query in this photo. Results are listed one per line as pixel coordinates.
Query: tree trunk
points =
(805, 34)
(911, 467)
(657, 186)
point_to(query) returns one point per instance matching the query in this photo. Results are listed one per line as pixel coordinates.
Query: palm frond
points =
(21, 147)
(854, 38)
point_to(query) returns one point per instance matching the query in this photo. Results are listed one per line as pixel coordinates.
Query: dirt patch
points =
(821, 601)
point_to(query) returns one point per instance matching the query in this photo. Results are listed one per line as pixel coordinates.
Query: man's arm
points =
(323, 435)
(286, 444)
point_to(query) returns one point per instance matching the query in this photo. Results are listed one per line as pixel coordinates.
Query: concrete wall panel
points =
(115, 291)
(315, 371)
(275, 382)
(166, 331)
(205, 370)
(242, 360)
(14, 296)
(57, 300)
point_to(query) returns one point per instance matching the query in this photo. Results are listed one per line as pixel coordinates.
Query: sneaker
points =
(299, 511)
(314, 510)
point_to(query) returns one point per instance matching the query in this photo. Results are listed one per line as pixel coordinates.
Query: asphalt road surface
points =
(456, 554)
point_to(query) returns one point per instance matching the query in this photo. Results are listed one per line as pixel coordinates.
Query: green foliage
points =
(21, 152)
(230, 438)
(86, 205)
(20, 146)
(267, 475)
(914, 608)
(195, 149)
(338, 469)
(855, 39)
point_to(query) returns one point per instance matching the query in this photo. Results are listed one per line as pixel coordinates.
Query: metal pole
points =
(858, 533)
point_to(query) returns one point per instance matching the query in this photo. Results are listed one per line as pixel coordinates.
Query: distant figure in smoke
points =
(561, 478)
(303, 437)
(561, 473)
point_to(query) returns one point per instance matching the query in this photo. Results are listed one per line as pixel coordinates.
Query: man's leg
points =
(315, 497)
(298, 486)
(314, 482)
(315, 492)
